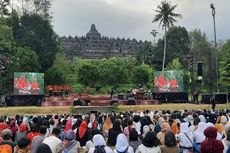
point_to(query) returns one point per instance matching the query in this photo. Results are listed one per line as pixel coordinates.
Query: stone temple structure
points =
(95, 46)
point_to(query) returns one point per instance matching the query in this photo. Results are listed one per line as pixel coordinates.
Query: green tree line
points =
(28, 43)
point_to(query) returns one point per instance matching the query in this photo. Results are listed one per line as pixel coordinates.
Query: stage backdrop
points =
(168, 81)
(28, 83)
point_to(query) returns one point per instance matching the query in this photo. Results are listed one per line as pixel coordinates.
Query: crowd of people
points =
(197, 131)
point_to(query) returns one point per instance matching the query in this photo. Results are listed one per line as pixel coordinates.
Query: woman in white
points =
(122, 145)
(146, 129)
(185, 137)
(150, 144)
(226, 140)
(199, 135)
(202, 118)
(99, 145)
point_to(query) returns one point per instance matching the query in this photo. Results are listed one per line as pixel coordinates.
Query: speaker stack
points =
(200, 70)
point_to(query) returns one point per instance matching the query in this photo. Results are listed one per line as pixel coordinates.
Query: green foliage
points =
(36, 33)
(198, 41)
(175, 65)
(6, 38)
(203, 51)
(25, 60)
(165, 14)
(141, 75)
(89, 75)
(113, 71)
(146, 55)
(4, 7)
(178, 45)
(57, 74)
(225, 66)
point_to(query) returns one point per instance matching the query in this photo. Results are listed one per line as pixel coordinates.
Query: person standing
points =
(213, 102)
(195, 97)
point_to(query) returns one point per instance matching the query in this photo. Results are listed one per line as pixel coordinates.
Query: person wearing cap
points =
(7, 144)
(69, 145)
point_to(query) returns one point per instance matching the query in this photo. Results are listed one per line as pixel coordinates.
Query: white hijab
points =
(201, 127)
(184, 128)
(190, 119)
(146, 129)
(209, 124)
(122, 143)
(98, 140)
(202, 118)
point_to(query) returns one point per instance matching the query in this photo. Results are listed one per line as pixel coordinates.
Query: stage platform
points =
(104, 101)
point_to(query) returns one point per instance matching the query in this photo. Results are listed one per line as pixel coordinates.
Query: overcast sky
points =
(133, 18)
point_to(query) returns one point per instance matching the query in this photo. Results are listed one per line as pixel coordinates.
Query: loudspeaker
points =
(206, 98)
(200, 69)
(221, 98)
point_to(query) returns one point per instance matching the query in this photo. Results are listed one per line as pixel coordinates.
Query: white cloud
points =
(133, 18)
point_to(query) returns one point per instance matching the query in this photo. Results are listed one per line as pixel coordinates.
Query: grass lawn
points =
(11, 111)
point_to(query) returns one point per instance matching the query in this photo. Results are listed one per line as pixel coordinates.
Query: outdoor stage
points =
(94, 101)
(144, 99)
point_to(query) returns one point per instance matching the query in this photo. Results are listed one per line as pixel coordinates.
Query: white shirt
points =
(52, 142)
(107, 150)
(89, 145)
(225, 146)
(143, 149)
(130, 150)
(137, 127)
(199, 136)
(184, 140)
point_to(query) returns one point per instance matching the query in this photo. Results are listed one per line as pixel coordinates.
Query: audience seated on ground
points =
(198, 131)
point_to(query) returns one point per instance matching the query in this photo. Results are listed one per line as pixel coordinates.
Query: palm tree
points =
(165, 14)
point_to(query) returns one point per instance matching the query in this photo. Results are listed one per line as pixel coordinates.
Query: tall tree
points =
(42, 7)
(141, 75)
(166, 16)
(174, 65)
(202, 51)
(25, 60)
(36, 33)
(178, 45)
(225, 66)
(4, 7)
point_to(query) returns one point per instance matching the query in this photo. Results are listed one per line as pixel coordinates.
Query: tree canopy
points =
(225, 66)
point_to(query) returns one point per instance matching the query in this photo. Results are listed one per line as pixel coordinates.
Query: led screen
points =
(28, 83)
(168, 81)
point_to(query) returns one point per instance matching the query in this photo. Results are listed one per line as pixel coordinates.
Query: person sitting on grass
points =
(99, 145)
(37, 140)
(23, 145)
(69, 145)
